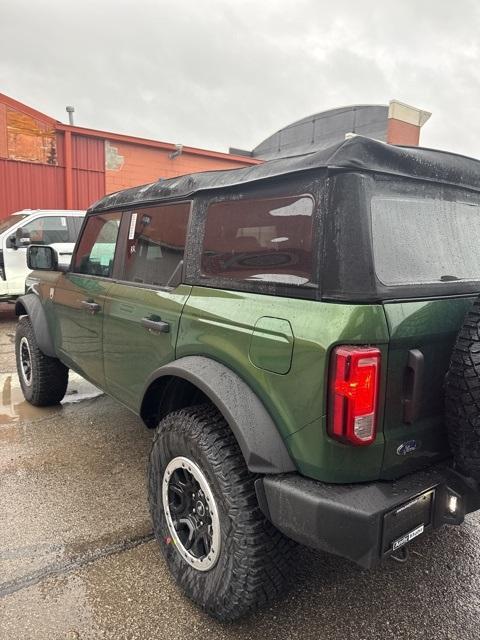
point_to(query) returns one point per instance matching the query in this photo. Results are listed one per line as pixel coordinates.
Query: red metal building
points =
(45, 164)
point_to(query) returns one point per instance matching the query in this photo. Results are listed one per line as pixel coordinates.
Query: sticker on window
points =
(63, 221)
(133, 223)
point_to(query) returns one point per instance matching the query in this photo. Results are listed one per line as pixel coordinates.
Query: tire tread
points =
(262, 555)
(462, 396)
(50, 376)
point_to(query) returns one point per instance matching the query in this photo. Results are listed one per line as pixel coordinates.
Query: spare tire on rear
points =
(462, 396)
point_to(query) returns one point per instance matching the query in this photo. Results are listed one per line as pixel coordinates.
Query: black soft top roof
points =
(357, 154)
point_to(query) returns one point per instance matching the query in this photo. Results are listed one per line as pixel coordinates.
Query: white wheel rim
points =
(195, 517)
(25, 361)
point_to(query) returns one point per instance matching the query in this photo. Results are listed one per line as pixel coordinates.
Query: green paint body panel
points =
(132, 352)
(322, 458)
(219, 324)
(280, 347)
(271, 345)
(78, 334)
(430, 327)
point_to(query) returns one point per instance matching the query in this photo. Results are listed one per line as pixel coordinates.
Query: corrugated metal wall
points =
(46, 164)
(35, 185)
(88, 160)
(27, 185)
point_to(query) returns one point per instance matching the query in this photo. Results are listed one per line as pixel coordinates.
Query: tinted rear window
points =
(420, 241)
(262, 240)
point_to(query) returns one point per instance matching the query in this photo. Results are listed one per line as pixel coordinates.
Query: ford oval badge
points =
(406, 447)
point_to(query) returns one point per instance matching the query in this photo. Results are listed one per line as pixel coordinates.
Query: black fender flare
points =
(31, 306)
(262, 445)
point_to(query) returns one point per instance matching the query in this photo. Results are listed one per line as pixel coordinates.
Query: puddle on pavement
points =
(13, 405)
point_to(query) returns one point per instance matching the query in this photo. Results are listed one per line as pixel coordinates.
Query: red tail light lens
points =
(354, 378)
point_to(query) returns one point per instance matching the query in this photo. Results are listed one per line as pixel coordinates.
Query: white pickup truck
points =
(38, 226)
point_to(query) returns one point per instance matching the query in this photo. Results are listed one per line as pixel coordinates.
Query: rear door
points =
(143, 310)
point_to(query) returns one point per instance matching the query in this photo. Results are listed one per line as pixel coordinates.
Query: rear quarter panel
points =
(220, 324)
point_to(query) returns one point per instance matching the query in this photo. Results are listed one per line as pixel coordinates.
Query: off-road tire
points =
(49, 377)
(462, 396)
(255, 558)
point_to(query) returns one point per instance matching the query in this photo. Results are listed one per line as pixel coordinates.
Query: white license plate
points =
(399, 542)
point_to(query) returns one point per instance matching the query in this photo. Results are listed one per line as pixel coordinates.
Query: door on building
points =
(143, 308)
(80, 296)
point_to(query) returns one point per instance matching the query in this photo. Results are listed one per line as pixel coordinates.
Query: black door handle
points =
(158, 326)
(413, 385)
(91, 306)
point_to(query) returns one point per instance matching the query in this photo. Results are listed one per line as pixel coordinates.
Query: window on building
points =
(156, 244)
(96, 248)
(260, 240)
(47, 230)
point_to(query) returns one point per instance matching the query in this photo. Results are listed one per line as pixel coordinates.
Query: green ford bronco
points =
(303, 336)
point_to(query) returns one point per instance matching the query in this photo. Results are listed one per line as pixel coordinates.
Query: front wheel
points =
(43, 379)
(217, 543)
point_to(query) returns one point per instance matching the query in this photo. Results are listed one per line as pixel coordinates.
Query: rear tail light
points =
(354, 379)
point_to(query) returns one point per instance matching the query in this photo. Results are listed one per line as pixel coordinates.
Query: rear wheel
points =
(463, 396)
(43, 379)
(217, 543)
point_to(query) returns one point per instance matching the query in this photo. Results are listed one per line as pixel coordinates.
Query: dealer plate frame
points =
(408, 521)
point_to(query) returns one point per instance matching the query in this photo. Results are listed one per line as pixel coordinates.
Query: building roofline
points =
(148, 142)
(330, 112)
(20, 106)
(120, 137)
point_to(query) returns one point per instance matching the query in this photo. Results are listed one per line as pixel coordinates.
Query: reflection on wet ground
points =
(13, 405)
(77, 559)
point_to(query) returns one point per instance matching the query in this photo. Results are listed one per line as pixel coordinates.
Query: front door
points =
(143, 311)
(80, 298)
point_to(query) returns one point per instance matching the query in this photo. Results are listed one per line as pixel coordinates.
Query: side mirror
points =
(42, 257)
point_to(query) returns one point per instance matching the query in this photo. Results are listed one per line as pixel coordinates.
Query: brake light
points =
(354, 379)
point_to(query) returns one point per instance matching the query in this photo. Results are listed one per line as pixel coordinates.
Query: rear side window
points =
(96, 248)
(156, 244)
(263, 240)
(425, 241)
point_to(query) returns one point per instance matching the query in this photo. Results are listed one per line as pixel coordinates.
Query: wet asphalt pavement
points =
(77, 559)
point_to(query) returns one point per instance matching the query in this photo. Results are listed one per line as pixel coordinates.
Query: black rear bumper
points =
(366, 522)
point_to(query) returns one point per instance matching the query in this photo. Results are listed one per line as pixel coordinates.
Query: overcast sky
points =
(220, 73)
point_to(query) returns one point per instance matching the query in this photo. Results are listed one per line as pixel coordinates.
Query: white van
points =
(33, 226)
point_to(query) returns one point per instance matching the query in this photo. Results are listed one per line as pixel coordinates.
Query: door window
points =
(156, 244)
(96, 249)
(47, 230)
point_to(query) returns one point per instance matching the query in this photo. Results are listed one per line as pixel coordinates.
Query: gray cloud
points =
(214, 73)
